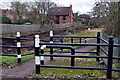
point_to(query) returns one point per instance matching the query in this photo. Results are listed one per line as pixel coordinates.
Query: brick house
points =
(11, 15)
(84, 17)
(60, 15)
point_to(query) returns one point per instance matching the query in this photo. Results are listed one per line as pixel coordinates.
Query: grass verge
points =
(8, 61)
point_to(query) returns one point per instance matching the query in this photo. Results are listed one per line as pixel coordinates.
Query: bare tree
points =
(107, 12)
(40, 9)
(19, 9)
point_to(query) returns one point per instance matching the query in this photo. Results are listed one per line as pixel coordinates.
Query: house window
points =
(23, 17)
(64, 18)
(7, 15)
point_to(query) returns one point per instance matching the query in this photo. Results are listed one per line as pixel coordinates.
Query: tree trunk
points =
(118, 30)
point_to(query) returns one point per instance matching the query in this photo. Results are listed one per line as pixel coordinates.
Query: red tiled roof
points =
(59, 11)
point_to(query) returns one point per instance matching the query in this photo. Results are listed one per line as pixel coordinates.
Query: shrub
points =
(22, 21)
(26, 20)
(6, 20)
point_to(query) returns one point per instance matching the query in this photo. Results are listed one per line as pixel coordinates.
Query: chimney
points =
(71, 8)
(70, 13)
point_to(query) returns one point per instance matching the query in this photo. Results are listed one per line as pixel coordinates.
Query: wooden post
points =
(110, 55)
(98, 47)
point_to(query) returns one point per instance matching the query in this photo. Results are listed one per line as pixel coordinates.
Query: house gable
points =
(62, 14)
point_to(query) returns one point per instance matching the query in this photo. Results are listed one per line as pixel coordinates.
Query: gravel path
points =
(24, 70)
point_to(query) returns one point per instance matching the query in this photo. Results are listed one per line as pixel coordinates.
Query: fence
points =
(9, 28)
(18, 47)
(109, 55)
(39, 61)
(116, 50)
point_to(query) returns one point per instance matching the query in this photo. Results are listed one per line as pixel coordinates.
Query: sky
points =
(81, 6)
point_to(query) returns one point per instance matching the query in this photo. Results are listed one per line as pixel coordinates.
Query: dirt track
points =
(27, 68)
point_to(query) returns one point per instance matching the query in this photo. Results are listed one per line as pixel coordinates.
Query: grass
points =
(70, 72)
(8, 61)
(92, 32)
(73, 73)
(82, 33)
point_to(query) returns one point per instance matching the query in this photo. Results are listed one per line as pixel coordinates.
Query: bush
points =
(23, 21)
(6, 20)
(17, 22)
(26, 21)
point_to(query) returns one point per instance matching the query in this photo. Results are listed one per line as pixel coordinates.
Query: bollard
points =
(18, 48)
(110, 55)
(37, 58)
(88, 29)
(42, 52)
(51, 36)
(51, 41)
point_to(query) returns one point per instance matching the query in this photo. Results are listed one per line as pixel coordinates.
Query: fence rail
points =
(18, 47)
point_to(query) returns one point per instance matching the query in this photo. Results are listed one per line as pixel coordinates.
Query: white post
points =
(42, 52)
(51, 41)
(18, 47)
(51, 35)
(37, 58)
(88, 29)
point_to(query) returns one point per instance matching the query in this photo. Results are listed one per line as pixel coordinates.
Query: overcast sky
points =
(81, 6)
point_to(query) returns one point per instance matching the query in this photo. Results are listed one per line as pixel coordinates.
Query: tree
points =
(6, 20)
(107, 13)
(19, 9)
(40, 8)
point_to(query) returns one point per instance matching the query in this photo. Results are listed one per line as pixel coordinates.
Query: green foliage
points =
(17, 22)
(6, 20)
(23, 21)
(26, 20)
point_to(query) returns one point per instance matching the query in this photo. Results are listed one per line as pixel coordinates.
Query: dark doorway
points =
(57, 19)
